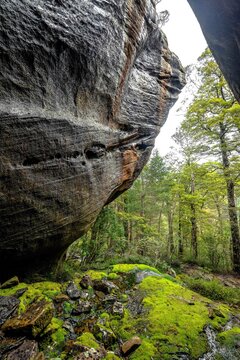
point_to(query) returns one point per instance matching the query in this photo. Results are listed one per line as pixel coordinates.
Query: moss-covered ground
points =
(169, 318)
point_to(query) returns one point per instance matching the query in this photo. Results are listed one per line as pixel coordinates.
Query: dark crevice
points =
(95, 152)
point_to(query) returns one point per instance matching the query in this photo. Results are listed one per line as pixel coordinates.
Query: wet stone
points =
(72, 291)
(8, 307)
(32, 322)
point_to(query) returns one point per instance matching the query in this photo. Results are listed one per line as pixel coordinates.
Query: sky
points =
(185, 39)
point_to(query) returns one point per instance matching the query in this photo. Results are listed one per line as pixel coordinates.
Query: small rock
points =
(20, 292)
(61, 298)
(28, 350)
(8, 344)
(8, 306)
(109, 299)
(106, 336)
(72, 291)
(140, 275)
(90, 354)
(85, 282)
(32, 322)
(85, 295)
(118, 309)
(131, 345)
(104, 286)
(171, 272)
(10, 283)
(82, 307)
(68, 326)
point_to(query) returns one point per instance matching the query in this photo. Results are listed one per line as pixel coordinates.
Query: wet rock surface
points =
(84, 88)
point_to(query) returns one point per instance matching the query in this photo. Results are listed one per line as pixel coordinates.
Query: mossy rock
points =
(96, 275)
(123, 268)
(173, 319)
(41, 290)
(230, 338)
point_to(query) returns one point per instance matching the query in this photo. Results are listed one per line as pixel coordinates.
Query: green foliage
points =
(213, 289)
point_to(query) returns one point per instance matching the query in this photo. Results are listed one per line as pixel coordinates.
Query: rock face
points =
(84, 88)
(219, 20)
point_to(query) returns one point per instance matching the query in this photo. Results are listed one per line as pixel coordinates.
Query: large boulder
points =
(84, 88)
(219, 20)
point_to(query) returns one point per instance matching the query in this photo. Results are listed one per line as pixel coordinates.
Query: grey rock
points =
(83, 307)
(8, 307)
(28, 350)
(68, 326)
(72, 291)
(219, 20)
(140, 275)
(118, 309)
(84, 88)
(104, 286)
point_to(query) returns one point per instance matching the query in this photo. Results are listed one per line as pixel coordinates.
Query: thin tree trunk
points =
(193, 219)
(232, 210)
(180, 242)
(170, 232)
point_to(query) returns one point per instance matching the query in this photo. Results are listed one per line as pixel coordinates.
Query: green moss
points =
(42, 290)
(111, 356)
(67, 308)
(213, 289)
(230, 338)
(146, 351)
(59, 336)
(113, 276)
(88, 339)
(172, 320)
(11, 291)
(96, 275)
(122, 268)
(54, 325)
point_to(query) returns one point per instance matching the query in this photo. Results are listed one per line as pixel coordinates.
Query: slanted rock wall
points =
(219, 20)
(84, 88)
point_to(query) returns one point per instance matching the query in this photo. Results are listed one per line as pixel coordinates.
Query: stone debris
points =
(131, 345)
(32, 322)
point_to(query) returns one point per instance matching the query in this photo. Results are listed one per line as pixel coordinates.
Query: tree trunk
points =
(193, 219)
(232, 210)
(170, 232)
(180, 242)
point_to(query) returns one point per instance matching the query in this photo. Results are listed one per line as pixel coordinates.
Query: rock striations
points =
(84, 88)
